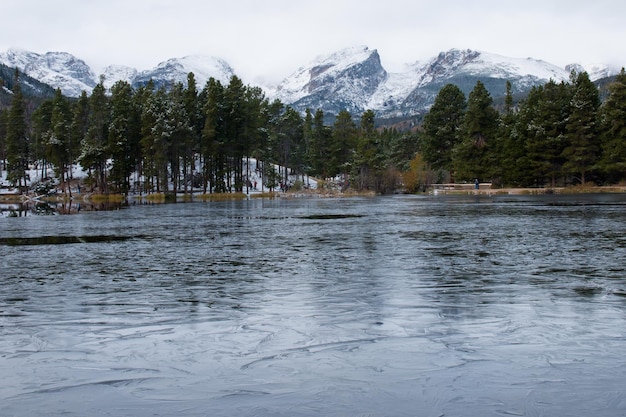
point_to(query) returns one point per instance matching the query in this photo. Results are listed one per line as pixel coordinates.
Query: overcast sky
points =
(270, 39)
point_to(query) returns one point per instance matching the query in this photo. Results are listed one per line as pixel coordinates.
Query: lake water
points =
(388, 306)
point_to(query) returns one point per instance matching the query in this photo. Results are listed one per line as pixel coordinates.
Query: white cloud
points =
(272, 38)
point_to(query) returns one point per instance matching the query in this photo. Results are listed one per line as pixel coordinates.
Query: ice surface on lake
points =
(404, 306)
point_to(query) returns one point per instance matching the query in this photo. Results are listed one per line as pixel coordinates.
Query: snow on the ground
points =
(37, 175)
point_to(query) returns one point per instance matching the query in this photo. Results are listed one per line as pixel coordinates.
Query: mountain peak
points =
(73, 76)
(356, 68)
(596, 71)
(115, 73)
(58, 69)
(346, 55)
(176, 70)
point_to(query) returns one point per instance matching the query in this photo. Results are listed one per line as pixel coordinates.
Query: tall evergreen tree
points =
(123, 135)
(94, 149)
(59, 138)
(307, 137)
(17, 140)
(343, 144)
(234, 129)
(182, 133)
(4, 117)
(369, 157)
(400, 148)
(319, 148)
(472, 157)
(144, 166)
(213, 140)
(41, 132)
(583, 148)
(543, 118)
(79, 127)
(255, 105)
(442, 127)
(193, 109)
(290, 136)
(156, 133)
(613, 128)
(509, 149)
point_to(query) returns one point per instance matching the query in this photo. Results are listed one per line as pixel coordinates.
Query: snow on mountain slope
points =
(176, 70)
(307, 79)
(58, 69)
(352, 79)
(596, 71)
(345, 79)
(392, 92)
(17, 58)
(491, 65)
(328, 81)
(115, 73)
(73, 76)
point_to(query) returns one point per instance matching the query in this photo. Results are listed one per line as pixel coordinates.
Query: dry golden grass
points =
(11, 198)
(106, 198)
(222, 197)
(264, 195)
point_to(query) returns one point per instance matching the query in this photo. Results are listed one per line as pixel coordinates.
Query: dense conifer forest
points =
(184, 138)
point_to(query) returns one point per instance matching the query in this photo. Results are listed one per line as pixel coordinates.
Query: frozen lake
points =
(390, 306)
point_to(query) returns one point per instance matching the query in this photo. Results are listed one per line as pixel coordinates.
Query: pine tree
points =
(17, 140)
(510, 149)
(613, 128)
(123, 135)
(307, 137)
(41, 131)
(369, 158)
(290, 141)
(400, 148)
(319, 148)
(213, 141)
(583, 148)
(471, 156)
(255, 105)
(343, 144)
(442, 127)
(94, 149)
(143, 155)
(79, 127)
(196, 122)
(542, 124)
(182, 133)
(58, 140)
(156, 133)
(4, 117)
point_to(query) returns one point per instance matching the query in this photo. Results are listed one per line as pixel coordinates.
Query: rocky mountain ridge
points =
(73, 75)
(353, 78)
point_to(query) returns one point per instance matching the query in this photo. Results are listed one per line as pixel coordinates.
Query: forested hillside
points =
(33, 90)
(561, 134)
(155, 140)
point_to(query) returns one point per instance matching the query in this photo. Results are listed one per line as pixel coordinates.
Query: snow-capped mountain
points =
(73, 76)
(352, 79)
(464, 68)
(115, 73)
(176, 70)
(596, 71)
(57, 69)
(342, 80)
